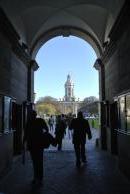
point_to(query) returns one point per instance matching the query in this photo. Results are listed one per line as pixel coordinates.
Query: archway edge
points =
(66, 31)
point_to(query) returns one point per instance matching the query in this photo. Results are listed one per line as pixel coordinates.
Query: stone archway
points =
(66, 31)
(104, 24)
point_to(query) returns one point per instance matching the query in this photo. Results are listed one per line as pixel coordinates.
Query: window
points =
(107, 114)
(122, 116)
(128, 112)
(7, 113)
(1, 114)
(124, 113)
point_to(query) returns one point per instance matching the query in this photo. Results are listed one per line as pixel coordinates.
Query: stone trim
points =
(117, 30)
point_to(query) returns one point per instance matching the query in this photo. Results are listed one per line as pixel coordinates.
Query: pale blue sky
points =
(63, 55)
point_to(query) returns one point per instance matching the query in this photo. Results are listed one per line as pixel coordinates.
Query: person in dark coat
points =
(32, 134)
(81, 128)
(51, 123)
(60, 130)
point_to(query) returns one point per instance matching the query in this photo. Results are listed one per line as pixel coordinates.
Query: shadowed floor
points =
(99, 176)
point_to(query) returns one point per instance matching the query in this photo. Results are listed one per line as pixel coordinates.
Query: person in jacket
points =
(60, 130)
(81, 128)
(32, 136)
(51, 123)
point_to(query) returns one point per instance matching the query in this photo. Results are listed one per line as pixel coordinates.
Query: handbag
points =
(47, 140)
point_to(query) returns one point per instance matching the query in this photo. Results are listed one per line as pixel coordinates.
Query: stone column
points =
(76, 108)
(64, 108)
(30, 87)
(103, 136)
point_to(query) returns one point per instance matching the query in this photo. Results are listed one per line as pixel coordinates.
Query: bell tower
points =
(69, 89)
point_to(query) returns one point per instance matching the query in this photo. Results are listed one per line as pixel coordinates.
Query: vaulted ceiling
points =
(36, 21)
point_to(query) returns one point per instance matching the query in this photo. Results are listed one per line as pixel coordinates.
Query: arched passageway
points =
(25, 26)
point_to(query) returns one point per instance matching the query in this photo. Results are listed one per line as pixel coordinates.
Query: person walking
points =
(32, 136)
(81, 128)
(69, 119)
(60, 130)
(51, 123)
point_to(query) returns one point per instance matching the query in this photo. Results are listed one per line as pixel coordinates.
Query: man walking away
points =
(51, 123)
(81, 128)
(60, 130)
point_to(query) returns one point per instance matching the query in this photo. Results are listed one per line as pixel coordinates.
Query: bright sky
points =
(61, 56)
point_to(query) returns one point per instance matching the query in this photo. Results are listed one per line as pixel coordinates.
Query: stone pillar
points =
(73, 108)
(103, 136)
(30, 86)
(76, 107)
(64, 108)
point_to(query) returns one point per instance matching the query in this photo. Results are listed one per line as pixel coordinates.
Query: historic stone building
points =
(25, 26)
(69, 104)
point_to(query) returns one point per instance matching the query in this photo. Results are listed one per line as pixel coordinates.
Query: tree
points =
(46, 108)
(47, 105)
(90, 99)
(46, 99)
(90, 105)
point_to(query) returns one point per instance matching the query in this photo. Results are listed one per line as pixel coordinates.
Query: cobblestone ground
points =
(99, 176)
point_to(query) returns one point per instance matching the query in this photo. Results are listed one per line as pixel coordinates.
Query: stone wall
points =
(13, 82)
(116, 60)
(117, 69)
(13, 73)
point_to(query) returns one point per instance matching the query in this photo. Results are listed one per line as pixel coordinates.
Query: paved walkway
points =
(99, 176)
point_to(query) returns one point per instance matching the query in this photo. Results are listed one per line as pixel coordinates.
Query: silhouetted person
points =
(80, 127)
(32, 135)
(60, 130)
(51, 123)
(92, 123)
(68, 121)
